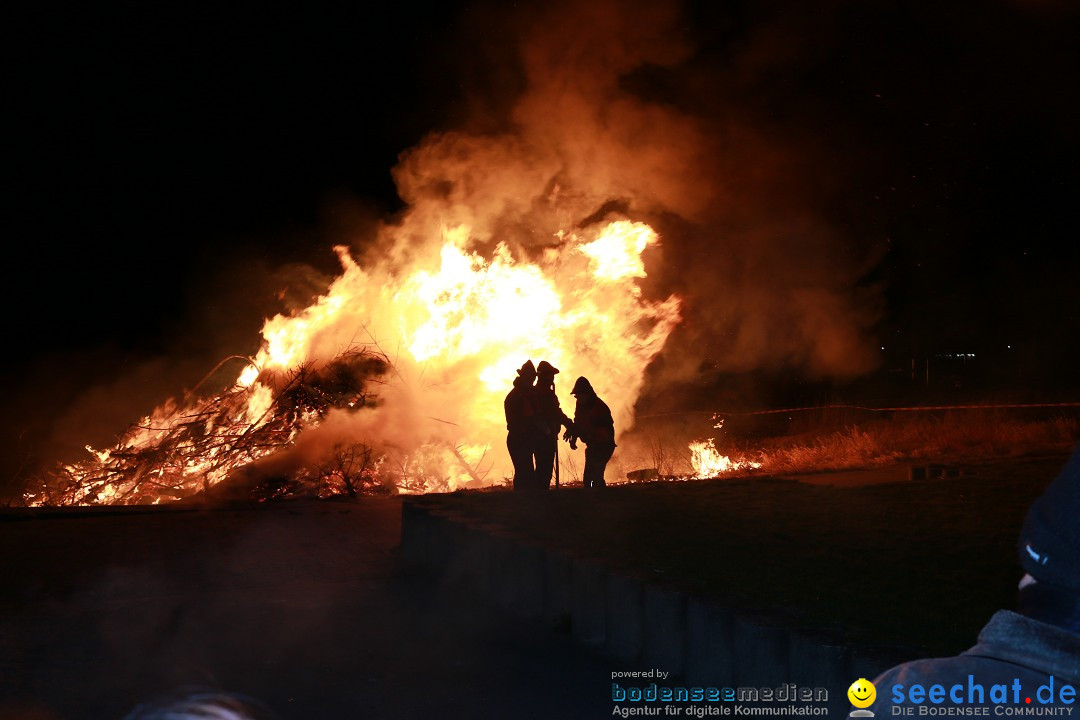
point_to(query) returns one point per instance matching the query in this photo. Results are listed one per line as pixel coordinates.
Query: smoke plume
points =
(607, 118)
(603, 111)
(620, 115)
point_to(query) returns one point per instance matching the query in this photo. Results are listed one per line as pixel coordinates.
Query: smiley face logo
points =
(862, 693)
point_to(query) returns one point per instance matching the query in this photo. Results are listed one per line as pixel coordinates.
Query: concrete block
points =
(477, 554)
(818, 661)
(416, 532)
(429, 533)
(447, 545)
(625, 628)
(761, 651)
(558, 590)
(589, 609)
(710, 644)
(665, 629)
(502, 588)
(528, 580)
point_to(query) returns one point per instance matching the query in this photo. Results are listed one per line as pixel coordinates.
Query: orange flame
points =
(709, 463)
(455, 329)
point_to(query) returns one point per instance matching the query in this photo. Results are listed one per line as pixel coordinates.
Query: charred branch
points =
(182, 451)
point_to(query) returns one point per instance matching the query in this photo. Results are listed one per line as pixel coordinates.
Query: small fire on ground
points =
(709, 463)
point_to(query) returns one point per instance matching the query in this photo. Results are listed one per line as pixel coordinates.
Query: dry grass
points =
(846, 440)
(952, 438)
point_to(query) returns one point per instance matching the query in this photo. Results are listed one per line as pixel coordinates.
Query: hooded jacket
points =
(592, 420)
(1016, 657)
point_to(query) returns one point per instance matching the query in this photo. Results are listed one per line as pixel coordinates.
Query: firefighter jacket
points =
(593, 422)
(520, 407)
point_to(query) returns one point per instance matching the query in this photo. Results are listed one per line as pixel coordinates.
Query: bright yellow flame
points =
(616, 253)
(708, 463)
(248, 376)
(259, 403)
(477, 307)
(455, 326)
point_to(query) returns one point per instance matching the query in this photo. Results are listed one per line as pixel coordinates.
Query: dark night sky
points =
(152, 139)
(165, 161)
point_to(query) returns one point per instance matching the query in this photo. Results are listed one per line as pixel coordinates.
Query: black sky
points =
(166, 160)
(150, 136)
(952, 124)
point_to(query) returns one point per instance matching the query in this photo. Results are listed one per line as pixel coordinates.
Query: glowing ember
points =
(708, 463)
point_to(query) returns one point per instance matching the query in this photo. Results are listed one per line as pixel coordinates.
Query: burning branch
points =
(179, 452)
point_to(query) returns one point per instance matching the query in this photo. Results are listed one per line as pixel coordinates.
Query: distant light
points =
(1008, 347)
(882, 347)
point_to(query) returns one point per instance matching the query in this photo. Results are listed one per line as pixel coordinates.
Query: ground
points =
(302, 605)
(868, 557)
(306, 606)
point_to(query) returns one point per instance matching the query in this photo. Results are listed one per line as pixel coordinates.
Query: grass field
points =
(920, 564)
(845, 438)
(959, 437)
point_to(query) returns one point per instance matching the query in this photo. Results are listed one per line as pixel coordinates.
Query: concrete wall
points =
(638, 623)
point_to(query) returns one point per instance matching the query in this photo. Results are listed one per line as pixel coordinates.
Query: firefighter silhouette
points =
(594, 426)
(549, 419)
(520, 409)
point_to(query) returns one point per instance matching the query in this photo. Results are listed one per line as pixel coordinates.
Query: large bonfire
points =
(394, 378)
(521, 240)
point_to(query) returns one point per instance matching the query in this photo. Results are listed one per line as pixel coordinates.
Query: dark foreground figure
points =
(1033, 652)
(520, 409)
(594, 426)
(203, 705)
(549, 420)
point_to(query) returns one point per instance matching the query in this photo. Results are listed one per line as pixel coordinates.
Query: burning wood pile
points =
(182, 451)
(303, 418)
